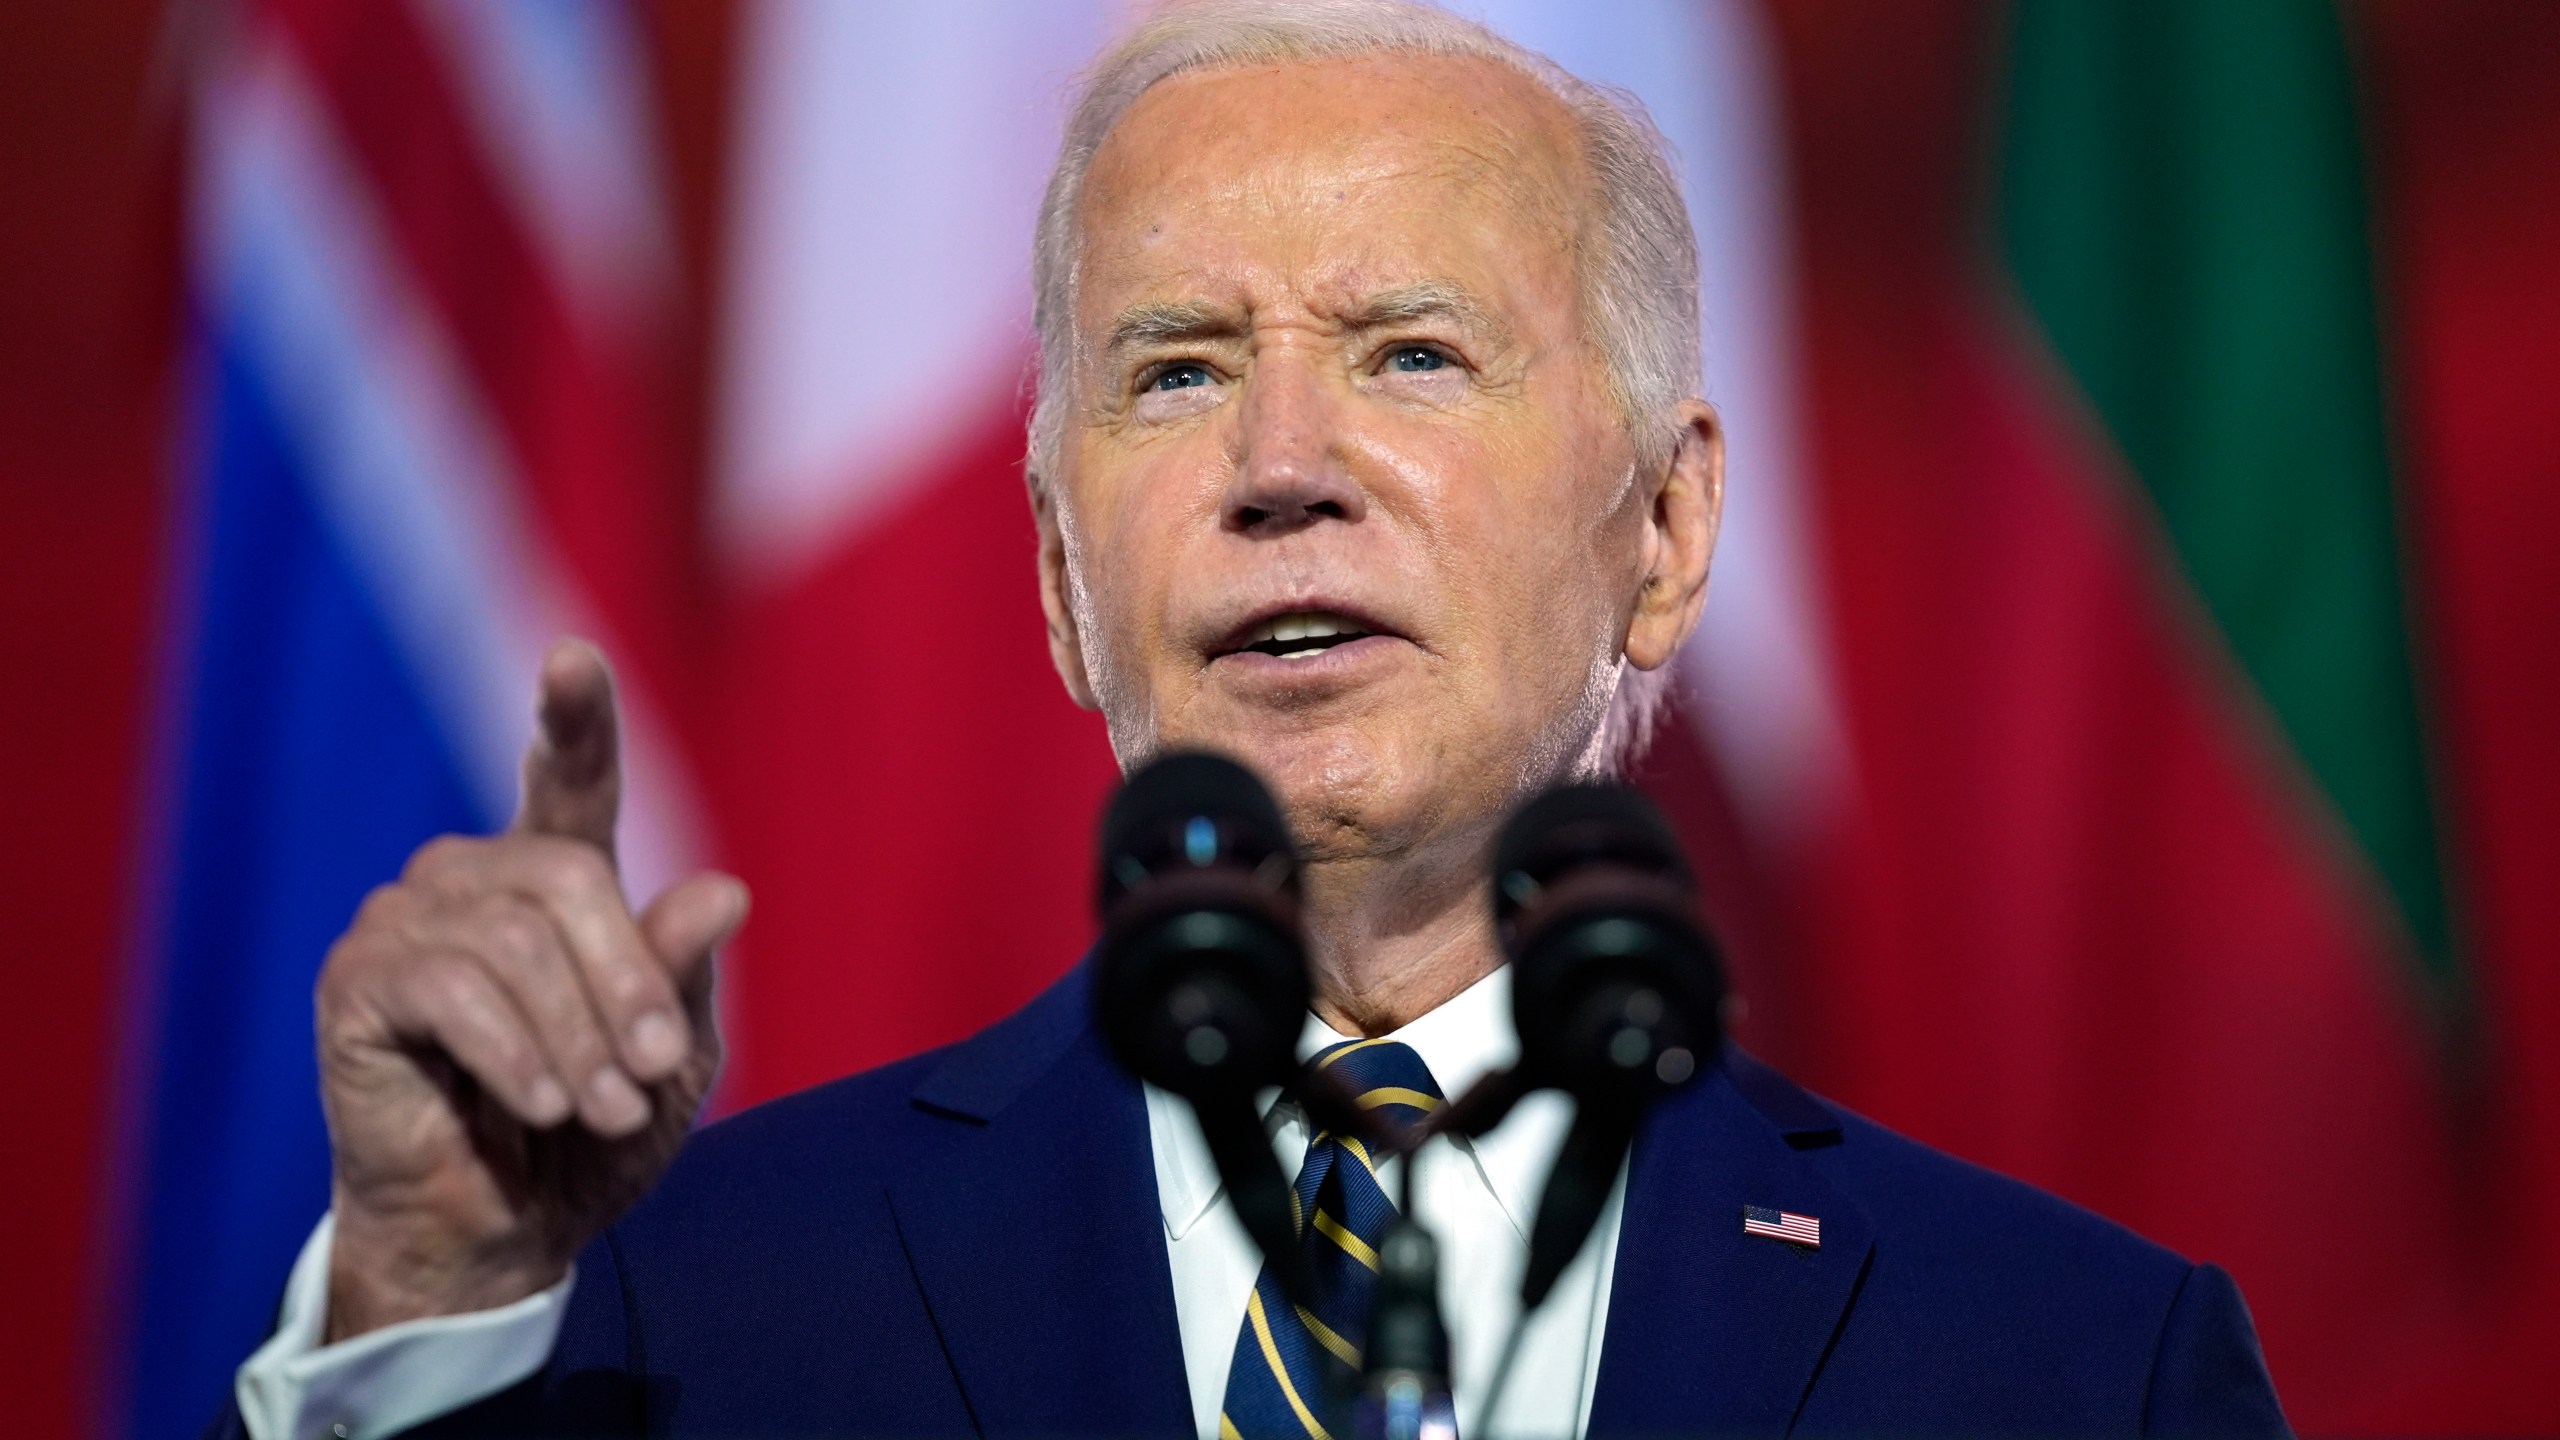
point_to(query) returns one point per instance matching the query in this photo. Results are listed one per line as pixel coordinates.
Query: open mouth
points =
(1301, 635)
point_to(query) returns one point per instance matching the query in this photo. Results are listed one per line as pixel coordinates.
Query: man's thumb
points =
(688, 921)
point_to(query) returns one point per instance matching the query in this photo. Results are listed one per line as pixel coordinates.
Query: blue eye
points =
(1185, 376)
(1416, 359)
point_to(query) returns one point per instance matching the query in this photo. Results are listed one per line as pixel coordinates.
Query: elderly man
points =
(1368, 449)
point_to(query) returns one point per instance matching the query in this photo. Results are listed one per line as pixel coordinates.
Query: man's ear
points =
(1680, 538)
(1066, 648)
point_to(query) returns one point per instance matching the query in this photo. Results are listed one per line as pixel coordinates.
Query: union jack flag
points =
(1784, 1225)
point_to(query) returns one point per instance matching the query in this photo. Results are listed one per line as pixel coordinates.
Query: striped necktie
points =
(1295, 1364)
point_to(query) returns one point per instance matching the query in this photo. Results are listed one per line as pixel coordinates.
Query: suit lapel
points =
(1037, 1236)
(1710, 1330)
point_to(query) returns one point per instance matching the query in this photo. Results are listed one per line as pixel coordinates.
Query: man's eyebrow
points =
(1425, 300)
(1163, 322)
(1169, 322)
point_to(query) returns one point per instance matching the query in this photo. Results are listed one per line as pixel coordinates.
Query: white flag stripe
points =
(556, 94)
(889, 170)
(412, 477)
(1756, 674)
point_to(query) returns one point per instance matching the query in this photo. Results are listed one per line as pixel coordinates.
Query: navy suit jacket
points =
(969, 1242)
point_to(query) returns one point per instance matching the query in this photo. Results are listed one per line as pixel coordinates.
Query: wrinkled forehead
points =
(1365, 164)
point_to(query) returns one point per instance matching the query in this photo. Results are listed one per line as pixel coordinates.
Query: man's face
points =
(1343, 491)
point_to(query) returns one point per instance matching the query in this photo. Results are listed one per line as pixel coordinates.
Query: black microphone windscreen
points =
(1191, 807)
(1200, 974)
(1576, 825)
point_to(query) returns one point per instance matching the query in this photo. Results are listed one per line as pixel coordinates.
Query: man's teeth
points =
(1274, 636)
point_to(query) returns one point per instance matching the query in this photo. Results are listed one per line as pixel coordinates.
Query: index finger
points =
(573, 768)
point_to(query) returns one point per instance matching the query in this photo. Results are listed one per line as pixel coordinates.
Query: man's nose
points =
(1289, 444)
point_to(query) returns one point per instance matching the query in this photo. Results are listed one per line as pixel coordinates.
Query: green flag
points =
(2183, 206)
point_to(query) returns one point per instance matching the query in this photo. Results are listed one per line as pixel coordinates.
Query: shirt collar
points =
(1468, 1037)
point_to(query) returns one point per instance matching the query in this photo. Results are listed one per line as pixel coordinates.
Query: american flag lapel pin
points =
(1785, 1225)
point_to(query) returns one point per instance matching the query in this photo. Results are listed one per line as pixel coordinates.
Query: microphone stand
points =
(1486, 1105)
(1578, 1184)
(1404, 1374)
(1405, 1392)
(1405, 1380)
(1404, 1384)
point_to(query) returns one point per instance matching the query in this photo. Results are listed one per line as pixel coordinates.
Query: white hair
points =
(1639, 280)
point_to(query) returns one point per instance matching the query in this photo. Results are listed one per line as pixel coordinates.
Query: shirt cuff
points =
(387, 1380)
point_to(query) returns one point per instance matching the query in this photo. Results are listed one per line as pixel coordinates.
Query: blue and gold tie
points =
(1294, 1363)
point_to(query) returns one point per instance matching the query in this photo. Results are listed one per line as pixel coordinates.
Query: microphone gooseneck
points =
(1616, 990)
(1202, 989)
(1404, 1379)
(1616, 994)
(1201, 975)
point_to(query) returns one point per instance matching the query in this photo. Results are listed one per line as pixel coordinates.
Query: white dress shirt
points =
(387, 1380)
(1476, 1198)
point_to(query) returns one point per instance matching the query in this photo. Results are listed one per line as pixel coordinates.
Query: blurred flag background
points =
(2119, 745)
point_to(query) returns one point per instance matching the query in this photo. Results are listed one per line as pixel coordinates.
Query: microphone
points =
(1201, 974)
(1616, 991)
